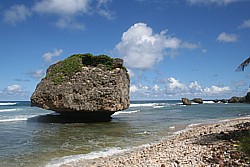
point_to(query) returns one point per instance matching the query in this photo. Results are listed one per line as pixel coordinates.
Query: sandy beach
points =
(201, 145)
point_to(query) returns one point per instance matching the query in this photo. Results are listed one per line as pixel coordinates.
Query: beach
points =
(198, 145)
(149, 133)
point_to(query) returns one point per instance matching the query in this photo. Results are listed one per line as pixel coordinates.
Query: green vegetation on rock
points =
(74, 63)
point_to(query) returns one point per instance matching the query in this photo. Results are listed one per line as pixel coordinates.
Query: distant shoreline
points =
(193, 146)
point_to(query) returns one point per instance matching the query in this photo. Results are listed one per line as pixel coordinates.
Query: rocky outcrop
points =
(235, 99)
(247, 98)
(198, 100)
(186, 101)
(84, 87)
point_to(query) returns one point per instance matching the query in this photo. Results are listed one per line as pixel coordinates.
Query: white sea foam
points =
(171, 128)
(126, 112)
(144, 105)
(208, 102)
(158, 106)
(14, 119)
(9, 110)
(17, 118)
(74, 158)
(7, 104)
(193, 125)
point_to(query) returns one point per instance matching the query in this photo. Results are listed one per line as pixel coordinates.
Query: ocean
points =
(29, 143)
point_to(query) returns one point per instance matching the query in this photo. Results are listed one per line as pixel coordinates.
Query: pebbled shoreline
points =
(202, 145)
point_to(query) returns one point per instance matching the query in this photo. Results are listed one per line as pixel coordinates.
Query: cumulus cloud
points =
(175, 89)
(62, 8)
(156, 88)
(36, 74)
(47, 57)
(141, 49)
(16, 13)
(174, 85)
(14, 89)
(216, 90)
(208, 2)
(14, 92)
(66, 10)
(195, 87)
(245, 24)
(133, 88)
(224, 37)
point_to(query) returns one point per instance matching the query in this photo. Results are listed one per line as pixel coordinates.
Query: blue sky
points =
(172, 48)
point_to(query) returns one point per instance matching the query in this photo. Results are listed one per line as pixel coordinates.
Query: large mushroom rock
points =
(84, 87)
(186, 101)
(198, 100)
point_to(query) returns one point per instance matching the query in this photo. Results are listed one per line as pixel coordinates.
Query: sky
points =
(171, 48)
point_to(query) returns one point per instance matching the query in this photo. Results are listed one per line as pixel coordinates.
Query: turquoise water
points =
(31, 143)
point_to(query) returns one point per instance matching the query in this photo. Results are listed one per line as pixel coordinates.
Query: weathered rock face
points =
(186, 101)
(91, 91)
(236, 100)
(198, 100)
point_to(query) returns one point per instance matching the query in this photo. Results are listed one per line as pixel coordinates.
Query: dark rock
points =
(234, 100)
(224, 101)
(186, 101)
(198, 100)
(84, 92)
(247, 98)
(216, 101)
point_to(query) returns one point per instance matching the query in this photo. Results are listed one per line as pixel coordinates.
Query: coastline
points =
(199, 145)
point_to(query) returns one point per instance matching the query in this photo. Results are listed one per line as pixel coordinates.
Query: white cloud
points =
(131, 73)
(47, 57)
(38, 74)
(177, 89)
(216, 90)
(141, 49)
(103, 10)
(156, 88)
(190, 45)
(224, 37)
(208, 2)
(14, 89)
(174, 85)
(16, 13)
(195, 87)
(245, 24)
(133, 88)
(66, 10)
(62, 8)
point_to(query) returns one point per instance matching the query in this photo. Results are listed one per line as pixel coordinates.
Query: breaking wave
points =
(7, 103)
(74, 158)
(126, 112)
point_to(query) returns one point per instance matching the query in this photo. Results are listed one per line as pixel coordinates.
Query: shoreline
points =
(199, 145)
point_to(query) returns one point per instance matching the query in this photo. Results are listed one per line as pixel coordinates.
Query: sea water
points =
(32, 143)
